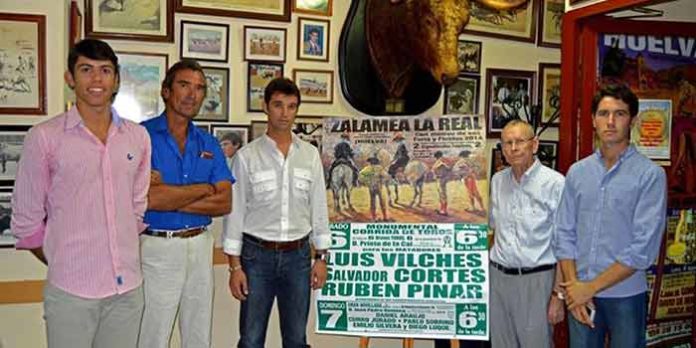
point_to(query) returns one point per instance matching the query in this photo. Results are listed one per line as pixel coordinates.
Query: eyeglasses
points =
(516, 142)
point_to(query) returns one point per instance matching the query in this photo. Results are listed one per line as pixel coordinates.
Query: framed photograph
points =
(264, 44)
(22, 57)
(231, 138)
(498, 161)
(202, 126)
(316, 86)
(75, 30)
(469, 56)
(11, 145)
(315, 7)
(257, 129)
(204, 41)
(313, 43)
(518, 24)
(462, 96)
(138, 97)
(550, 17)
(309, 129)
(216, 105)
(7, 240)
(142, 20)
(258, 76)
(272, 10)
(548, 153)
(509, 94)
(550, 94)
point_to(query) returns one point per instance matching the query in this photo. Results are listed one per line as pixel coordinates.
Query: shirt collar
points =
(533, 168)
(627, 153)
(74, 119)
(272, 143)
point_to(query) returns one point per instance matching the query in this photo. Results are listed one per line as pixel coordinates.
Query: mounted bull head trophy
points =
(395, 55)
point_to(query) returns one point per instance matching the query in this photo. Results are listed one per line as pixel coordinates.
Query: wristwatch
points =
(321, 256)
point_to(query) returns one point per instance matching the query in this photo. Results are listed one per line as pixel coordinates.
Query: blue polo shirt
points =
(201, 162)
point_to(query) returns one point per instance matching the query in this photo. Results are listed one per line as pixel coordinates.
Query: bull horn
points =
(502, 5)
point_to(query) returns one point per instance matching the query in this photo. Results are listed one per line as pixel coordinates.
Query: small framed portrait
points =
(516, 24)
(257, 129)
(313, 43)
(309, 129)
(138, 97)
(270, 10)
(216, 104)
(547, 153)
(315, 7)
(204, 41)
(231, 138)
(469, 56)
(316, 86)
(550, 93)
(258, 76)
(7, 240)
(202, 126)
(11, 145)
(267, 44)
(75, 30)
(142, 20)
(462, 97)
(498, 161)
(550, 19)
(509, 95)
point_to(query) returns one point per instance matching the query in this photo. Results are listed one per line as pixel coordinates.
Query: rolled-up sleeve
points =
(565, 232)
(321, 235)
(233, 223)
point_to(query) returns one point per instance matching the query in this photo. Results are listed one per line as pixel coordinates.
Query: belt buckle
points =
(519, 271)
(170, 234)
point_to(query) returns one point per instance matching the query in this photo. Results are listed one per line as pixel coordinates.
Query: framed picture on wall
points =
(216, 104)
(231, 138)
(550, 17)
(548, 153)
(138, 97)
(75, 31)
(550, 93)
(23, 57)
(462, 96)
(257, 129)
(498, 161)
(11, 145)
(143, 20)
(258, 76)
(7, 240)
(316, 86)
(204, 41)
(202, 126)
(315, 7)
(518, 24)
(314, 39)
(309, 129)
(266, 44)
(271, 10)
(509, 94)
(469, 56)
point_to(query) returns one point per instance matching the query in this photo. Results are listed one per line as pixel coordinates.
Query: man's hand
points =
(578, 293)
(582, 315)
(155, 178)
(318, 277)
(238, 284)
(556, 311)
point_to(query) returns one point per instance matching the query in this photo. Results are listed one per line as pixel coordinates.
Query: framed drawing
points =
(216, 104)
(267, 44)
(469, 56)
(231, 138)
(462, 96)
(516, 24)
(272, 10)
(313, 42)
(547, 153)
(7, 240)
(550, 17)
(204, 41)
(257, 129)
(316, 86)
(23, 61)
(143, 20)
(258, 76)
(509, 94)
(315, 7)
(138, 97)
(550, 94)
(75, 30)
(11, 145)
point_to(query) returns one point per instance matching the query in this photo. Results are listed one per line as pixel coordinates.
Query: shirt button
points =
(185, 175)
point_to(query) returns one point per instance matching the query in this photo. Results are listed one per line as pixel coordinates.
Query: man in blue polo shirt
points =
(190, 183)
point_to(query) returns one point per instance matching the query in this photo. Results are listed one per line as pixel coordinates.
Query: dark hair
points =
(232, 137)
(620, 92)
(281, 85)
(184, 64)
(92, 49)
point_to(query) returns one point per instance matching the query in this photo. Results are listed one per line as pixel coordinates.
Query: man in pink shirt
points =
(78, 205)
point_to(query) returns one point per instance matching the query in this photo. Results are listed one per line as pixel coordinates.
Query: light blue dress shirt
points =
(615, 215)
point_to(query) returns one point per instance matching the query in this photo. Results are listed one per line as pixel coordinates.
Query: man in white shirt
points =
(279, 205)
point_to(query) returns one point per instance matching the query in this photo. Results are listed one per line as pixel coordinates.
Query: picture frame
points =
(75, 30)
(202, 126)
(11, 146)
(547, 153)
(257, 129)
(7, 240)
(316, 86)
(259, 74)
(307, 128)
(138, 97)
(462, 97)
(145, 20)
(271, 10)
(469, 56)
(264, 43)
(316, 7)
(549, 94)
(517, 25)
(204, 41)
(216, 105)
(240, 132)
(314, 39)
(498, 161)
(23, 43)
(550, 19)
(509, 94)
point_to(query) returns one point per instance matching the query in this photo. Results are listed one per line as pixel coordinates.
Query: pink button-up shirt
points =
(84, 201)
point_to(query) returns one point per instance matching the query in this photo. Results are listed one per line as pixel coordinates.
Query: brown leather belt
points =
(175, 234)
(277, 246)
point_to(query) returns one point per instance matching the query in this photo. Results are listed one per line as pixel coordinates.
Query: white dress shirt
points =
(276, 198)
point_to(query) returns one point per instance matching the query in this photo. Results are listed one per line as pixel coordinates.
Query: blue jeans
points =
(624, 319)
(274, 274)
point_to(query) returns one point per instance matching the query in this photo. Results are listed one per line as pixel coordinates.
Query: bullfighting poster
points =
(651, 132)
(408, 198)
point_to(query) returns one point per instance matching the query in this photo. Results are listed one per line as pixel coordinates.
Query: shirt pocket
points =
(302, 182)
(264, 184)
(203, 171)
